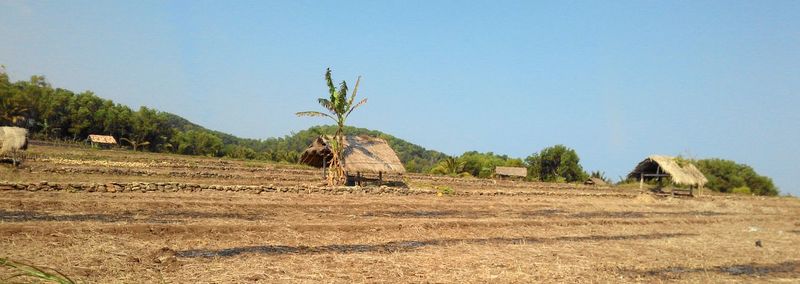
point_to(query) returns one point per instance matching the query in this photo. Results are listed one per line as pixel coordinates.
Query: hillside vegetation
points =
(56, 113)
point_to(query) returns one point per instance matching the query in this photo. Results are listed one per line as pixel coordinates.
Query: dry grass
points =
(582, 235)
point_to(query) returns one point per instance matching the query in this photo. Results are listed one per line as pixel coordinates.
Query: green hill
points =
(55, 113)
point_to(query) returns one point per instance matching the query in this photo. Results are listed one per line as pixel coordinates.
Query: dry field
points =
(488, 232)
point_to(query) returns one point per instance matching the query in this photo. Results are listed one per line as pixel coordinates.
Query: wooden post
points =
(641, 181)
(324, 165)
(658, 172)
(380, 178)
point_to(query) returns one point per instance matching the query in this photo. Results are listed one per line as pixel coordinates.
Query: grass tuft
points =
(30, 271)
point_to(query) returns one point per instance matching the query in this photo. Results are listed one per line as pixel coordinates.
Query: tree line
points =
(56, 113)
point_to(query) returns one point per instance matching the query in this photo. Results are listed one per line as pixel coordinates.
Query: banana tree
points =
(339, 107)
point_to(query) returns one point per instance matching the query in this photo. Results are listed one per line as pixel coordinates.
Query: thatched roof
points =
(13, 138)
(681, 172)
(595, 181)
(511, 171)
(102, 139)
(361, 154)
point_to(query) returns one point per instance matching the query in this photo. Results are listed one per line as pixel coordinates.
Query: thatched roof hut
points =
(680, 171)
(595, 181)
(102, 139)
(362, 154)
(510, 172)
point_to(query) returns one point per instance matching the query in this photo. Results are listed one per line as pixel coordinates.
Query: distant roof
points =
(361, 154)
(595, 181)
(102, 139)
(681, 172)
(511, 171)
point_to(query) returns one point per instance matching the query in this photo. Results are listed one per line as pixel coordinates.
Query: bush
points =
(556, 164)
(742, 190)
(726, 175)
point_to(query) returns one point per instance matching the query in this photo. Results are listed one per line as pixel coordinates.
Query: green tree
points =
(339, 107)
(555, 164)
(239, 152)
(482, 165)
(728, 176)
(449, 166)
(196, 142)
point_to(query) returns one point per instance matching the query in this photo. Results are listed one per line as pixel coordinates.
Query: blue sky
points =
(615, 80)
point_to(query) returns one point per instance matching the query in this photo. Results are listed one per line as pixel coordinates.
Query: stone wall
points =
(116, 187)
(142, 187)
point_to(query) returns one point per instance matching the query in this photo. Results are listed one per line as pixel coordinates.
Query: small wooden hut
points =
(102, 140)
(362, 156)
(680, 172)
(510, 172)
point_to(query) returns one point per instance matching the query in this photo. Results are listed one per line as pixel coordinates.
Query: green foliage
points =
(742, 190)
(445, 190)
(195, 142)
(555, 164)
(56, 113)
(338, 105)
(448, 166)
(239, 152)
(482, 164)
(277, 149)
(726, 175)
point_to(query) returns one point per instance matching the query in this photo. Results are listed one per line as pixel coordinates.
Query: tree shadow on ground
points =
(406, 246)
(146, 217)
(534, 214)
(788, 268)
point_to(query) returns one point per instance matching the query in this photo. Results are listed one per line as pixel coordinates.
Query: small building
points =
(510, 172)
(362, 156)
(680, 172)
(595, 182)
(102, 140)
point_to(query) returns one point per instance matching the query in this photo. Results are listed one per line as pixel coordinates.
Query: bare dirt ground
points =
(548, 233)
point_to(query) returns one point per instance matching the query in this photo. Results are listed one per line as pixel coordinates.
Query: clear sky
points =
(615, 80)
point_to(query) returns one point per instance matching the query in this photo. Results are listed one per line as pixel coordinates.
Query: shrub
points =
(742, 190)
(445, 190)
(726, 175)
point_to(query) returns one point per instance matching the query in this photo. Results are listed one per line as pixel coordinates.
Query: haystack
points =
(680, 172)
(362, 154)
(510, 172)
(13, 139)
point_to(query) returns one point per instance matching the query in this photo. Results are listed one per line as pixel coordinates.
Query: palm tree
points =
(453, 166)
(339, 107)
